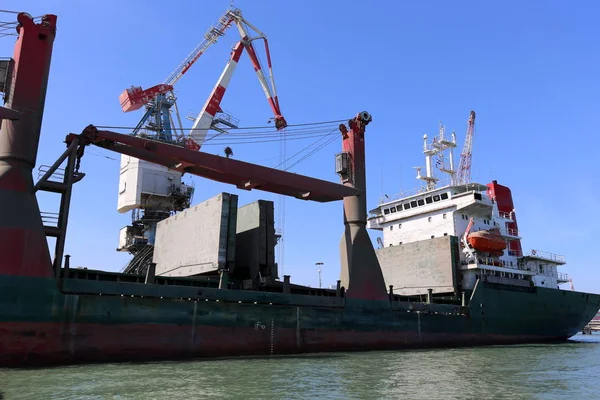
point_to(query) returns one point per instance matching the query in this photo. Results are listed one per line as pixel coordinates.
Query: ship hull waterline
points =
(40, 326)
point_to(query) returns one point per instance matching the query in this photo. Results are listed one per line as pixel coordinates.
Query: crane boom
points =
(135, 97)
(269, 91)
(205, 118)
(244, 175)
(210, 37)
(464, 167)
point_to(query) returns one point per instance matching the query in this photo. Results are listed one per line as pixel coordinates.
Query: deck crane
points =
(464, 166)
(153, 192)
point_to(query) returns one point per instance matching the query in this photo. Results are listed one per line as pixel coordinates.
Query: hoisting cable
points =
(282, 164)
(322, 146)
(236, 129)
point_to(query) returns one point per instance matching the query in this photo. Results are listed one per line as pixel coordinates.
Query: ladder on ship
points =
(60, 181)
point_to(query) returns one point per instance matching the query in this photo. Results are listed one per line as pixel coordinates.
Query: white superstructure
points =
(438, 210)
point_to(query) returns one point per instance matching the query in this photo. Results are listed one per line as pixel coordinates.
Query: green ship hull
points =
(95, 320)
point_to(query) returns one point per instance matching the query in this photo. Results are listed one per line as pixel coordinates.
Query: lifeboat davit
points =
(489, 241)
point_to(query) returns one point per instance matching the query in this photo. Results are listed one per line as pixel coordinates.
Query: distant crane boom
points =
(464, 167)
(209, 38)
(135, 97)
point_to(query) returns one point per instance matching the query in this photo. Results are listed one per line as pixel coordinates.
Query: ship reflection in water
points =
(567, 370)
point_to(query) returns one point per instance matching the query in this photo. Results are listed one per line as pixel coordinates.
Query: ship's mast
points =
(429, 152)
(439, 147)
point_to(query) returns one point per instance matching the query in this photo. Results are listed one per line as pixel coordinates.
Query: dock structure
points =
(592, 326)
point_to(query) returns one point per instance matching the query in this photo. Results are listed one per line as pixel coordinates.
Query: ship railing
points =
(563, 278)
(226, 118)
(413, 192)
(506, 215)
(58, 175)
(545, 255)
(509, 231)
(49, 218)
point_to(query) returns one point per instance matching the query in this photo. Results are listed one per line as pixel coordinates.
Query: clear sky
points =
(528, 69)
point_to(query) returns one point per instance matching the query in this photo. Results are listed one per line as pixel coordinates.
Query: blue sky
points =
(528, 69)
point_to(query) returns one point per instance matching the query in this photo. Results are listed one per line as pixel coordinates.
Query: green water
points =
(559, 371)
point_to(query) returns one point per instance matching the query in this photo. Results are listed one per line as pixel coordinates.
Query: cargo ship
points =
(439, 284)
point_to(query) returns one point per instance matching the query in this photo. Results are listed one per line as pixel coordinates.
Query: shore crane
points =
(153, 192)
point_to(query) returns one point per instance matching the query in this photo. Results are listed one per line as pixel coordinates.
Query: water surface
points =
(556, 371)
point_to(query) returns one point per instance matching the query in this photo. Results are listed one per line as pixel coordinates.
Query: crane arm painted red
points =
(135, 97)
(203, 122)
(241, 174)
(280, 122)
(269, 90)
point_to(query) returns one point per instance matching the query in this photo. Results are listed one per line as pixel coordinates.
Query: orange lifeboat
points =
(489, 241)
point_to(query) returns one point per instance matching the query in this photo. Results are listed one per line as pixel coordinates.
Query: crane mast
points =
(464, 166)
(154, 192)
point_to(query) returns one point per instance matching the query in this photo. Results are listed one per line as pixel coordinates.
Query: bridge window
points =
(413, 203)
(386, 211)
(406, 206)
(421, 202)
(428, 200)
(436, 197)
(393, 209)
(444, 196)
